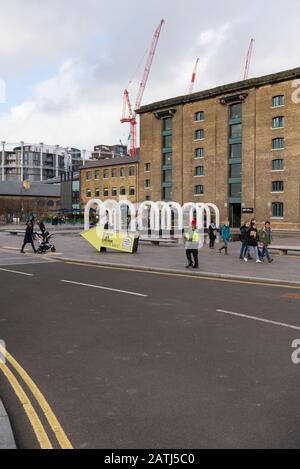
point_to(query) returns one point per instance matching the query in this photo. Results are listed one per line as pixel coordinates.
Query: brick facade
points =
(92, 179)
(256, 178)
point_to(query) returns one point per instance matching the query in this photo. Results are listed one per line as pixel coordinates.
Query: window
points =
(278, 143)
(122, 172)
(167, 124)
(105, 192)
(114, 173)
(50, 203)
(278, 101)
(278, 122)
(97, 192)
(236, 131)
(122, 191)
(167, 193)
(199, 171)
(147, 183)
(167, 141)
(277, 186)
(199, 153)
(131, 190)
(199, 134)
(131, 171)
(235, 190)
(235, 170)
(97, 174)
(277, 165)
(199, 116)
(88, 175)
(199, 190)
(236, 111)
(88, 193)
(148, 167)
(167, 175)
(106, 174)
(277, 210)
(167, 159)
(114, 192)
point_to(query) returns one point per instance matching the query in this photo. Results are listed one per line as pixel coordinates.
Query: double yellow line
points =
(31, 413)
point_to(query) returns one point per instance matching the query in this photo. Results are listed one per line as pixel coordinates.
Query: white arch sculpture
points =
(154, 216)
(160, 216)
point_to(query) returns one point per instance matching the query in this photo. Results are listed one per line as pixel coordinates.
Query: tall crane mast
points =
(131, 114)
(194, 74)
(248, 59)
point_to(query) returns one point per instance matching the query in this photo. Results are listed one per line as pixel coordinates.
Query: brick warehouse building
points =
(110, 178)
(237, 146)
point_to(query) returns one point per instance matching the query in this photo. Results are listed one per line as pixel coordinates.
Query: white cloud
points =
(87, 50)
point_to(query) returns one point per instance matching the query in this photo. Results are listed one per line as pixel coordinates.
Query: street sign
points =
(248, 210)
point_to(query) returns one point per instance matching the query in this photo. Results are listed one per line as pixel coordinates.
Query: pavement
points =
(129, 359)
(285, 269)
(6, 436)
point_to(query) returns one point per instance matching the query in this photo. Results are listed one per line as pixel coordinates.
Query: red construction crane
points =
(191, 87)
(127, 107)
(248, 59)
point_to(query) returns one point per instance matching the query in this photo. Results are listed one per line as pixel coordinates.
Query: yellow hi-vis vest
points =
(195, 237)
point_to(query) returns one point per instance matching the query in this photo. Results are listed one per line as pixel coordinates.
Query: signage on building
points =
(248, 210)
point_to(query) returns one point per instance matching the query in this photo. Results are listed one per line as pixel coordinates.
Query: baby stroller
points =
(44, 243)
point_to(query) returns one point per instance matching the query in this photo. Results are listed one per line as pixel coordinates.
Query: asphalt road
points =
(159, 364)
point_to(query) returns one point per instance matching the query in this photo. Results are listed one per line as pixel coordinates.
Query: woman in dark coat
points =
(28, 238)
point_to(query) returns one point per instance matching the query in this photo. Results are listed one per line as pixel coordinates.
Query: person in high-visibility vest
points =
(191, 238)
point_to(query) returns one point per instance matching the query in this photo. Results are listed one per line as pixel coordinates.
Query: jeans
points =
(244, 249)
(212, 242)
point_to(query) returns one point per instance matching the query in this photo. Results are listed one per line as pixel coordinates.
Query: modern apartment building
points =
(237, 146)
(37, 162)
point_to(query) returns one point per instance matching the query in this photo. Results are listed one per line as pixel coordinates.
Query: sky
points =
(65, 63)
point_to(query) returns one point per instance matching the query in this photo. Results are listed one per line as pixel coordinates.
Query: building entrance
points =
(235, 217)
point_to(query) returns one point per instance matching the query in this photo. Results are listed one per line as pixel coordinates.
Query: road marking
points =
(170, 274)
(104, 288)
(255, 318)
(60, 435)
(34, 420)
(16, 272)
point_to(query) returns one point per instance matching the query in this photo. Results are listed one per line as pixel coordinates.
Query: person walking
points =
(212, 235)
(225, 234)
(29, 236)
(192, 246)
(265, 239)
(252, 241)
(41, 226)
(243, 238)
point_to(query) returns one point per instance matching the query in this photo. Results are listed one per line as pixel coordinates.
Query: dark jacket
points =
(252, 236)
(212, 232)
(28, 238)
(42, 227)
(243, 233)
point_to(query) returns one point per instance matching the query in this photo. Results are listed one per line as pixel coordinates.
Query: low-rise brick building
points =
(112, 178)
(237, 146)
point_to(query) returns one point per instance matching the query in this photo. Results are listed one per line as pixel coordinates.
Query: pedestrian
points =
(212, 230)
(265, 239)
(252, 241)
(41, 226)
(29, 237)
(243, 238)
(225, 234)
(192, 246)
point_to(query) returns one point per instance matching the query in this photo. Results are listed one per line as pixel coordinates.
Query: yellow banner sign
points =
(121, 241)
